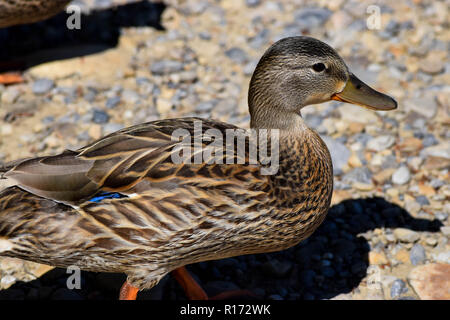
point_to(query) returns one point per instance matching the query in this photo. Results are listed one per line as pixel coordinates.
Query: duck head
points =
(298, 71)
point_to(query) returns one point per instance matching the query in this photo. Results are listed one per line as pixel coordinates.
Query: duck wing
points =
(115, 163)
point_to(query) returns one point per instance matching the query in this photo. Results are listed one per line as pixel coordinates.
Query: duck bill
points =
(359, 93)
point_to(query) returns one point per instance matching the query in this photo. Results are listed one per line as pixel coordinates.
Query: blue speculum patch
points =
(106, 195)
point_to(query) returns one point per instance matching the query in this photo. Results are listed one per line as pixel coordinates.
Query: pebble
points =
(401, 175)
(340, 154)
(362, 175)
(431, 281)
(237, 55)
(432, 65)
(100, 116)
(166, 67)
(277, 268)
(10, 95)
(112, 102)
(417, 254)
(380, 143)
(311, 17)
(7, 281)
(445, 231)
(398, 288)
(406, 235)
(443, 257)
(425, 106)
(252, 3)
(42, 86)
(440, 151)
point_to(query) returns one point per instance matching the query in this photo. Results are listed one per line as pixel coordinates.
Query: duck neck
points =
(288, 122)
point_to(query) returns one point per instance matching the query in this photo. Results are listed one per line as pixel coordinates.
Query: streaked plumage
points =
(14, 12)
(168, 214)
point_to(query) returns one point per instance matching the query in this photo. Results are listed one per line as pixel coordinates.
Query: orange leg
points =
(195, 292)
(128, 292)
(191, 287)
(10, 78)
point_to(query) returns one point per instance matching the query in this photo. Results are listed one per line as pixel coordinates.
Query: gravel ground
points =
(387, 233)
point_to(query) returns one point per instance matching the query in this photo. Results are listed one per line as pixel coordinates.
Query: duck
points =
(139, 201)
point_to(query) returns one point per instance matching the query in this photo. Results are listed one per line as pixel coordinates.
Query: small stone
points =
(422, 200)
(163, 106)
(339, 153)
(425, 106)
(130, 96)
(112, 102)
(432, 65)
(402, 256)
(380, 143)
(166, 67)
(100, 116)
(443, 257)
(445, 231)
(431, 281)
(431, 242)
(277, 268)
(406, 235)
(401, 175)
(362, 175)
(7, 281)
(252, 3)
(95, 131)
(383, 176)
(377, 258)
(439, 151)
(10, 95)
(398, 288)
(312, 17)
(42, 86)
(417, 254)
(237, 55)
(363, 186)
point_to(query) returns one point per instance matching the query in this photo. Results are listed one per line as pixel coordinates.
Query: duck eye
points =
(318, 67)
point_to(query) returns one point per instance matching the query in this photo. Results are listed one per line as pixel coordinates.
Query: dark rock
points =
(252, 3)
(277, 268)
(311, 17)
(100, 116)
(237, 55)
(112, 102)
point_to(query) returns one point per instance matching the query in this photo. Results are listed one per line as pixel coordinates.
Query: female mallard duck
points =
(14, 12)
(121, 204)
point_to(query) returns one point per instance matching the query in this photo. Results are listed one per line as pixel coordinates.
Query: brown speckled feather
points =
(13, 12)
(175, 214)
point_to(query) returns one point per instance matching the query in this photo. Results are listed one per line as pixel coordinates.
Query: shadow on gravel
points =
(24, 46)
(332, 261)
